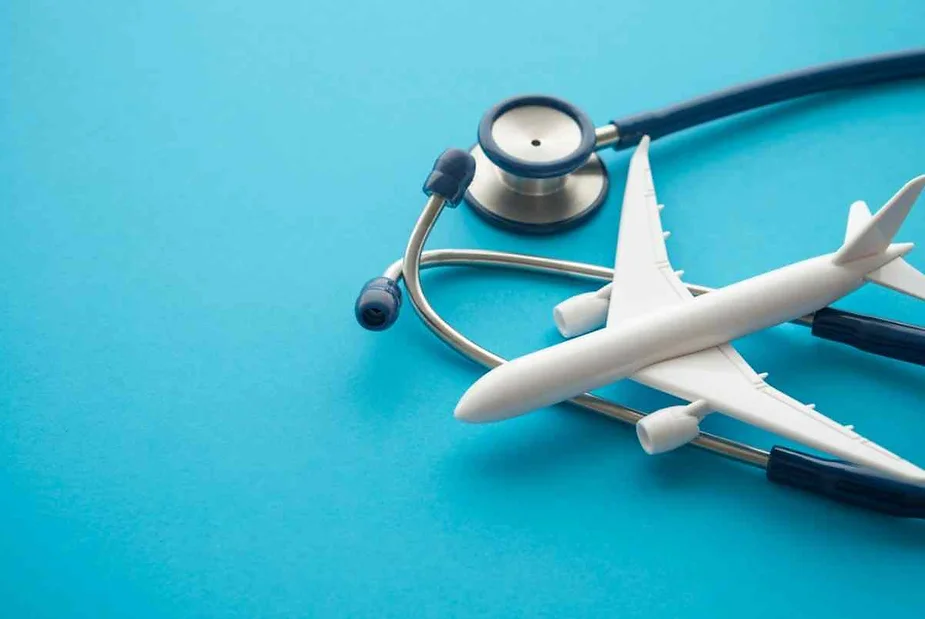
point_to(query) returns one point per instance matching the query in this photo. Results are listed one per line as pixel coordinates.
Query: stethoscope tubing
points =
(868, 71)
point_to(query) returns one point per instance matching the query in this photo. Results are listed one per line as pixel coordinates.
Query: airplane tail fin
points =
(858, 215)
(868, 234)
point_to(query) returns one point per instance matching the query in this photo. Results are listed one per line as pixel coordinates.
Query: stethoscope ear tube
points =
(453, 172)
(379, 302)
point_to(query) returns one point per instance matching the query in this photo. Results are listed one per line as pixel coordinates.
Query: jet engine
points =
(582, 313)
(670, 428)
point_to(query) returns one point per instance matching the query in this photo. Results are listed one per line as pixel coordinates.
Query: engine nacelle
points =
(582, 313)
(670, 427)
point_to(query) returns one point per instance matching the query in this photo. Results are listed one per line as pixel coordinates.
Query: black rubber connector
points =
(847, 483)
(378, 304)
(885, 338)
(450, 178)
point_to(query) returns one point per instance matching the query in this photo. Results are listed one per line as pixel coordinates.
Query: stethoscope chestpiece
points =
(536, 169)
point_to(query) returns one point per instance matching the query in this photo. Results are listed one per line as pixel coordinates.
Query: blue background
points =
(191, 423)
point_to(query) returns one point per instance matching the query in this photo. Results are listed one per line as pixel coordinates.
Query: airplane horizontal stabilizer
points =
(900, 276)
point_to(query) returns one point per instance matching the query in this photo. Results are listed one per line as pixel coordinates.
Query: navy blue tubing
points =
(886, 338)
(846, 482)
(848, 74)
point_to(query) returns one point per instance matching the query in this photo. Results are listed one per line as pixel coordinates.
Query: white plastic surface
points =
(730, 386)
(670, 428)
(582, 313)
(643, 278)
(900, 276)
(661, 336)
(876, 233)
(858, 216)
(897, 275)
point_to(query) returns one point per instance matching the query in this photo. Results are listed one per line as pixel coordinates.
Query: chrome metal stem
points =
(605, 136)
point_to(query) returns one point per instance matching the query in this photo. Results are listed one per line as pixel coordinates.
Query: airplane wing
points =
(643, 279)
(722, 378)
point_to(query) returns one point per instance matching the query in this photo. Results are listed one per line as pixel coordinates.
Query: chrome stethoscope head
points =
(536, 169)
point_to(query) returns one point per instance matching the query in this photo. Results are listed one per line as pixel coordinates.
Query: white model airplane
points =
(660, 335)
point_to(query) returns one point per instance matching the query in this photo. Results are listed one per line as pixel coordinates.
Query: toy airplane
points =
(660, 335)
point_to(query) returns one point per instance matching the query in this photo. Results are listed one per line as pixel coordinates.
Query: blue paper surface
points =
(191, 422)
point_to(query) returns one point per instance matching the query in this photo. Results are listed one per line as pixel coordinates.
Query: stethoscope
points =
(535, 169)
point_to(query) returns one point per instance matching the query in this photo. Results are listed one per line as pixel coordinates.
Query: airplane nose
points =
(499, 394)
(525, 384)
(474, 405)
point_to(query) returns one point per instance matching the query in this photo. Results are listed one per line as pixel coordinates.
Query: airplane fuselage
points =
(596, 359)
